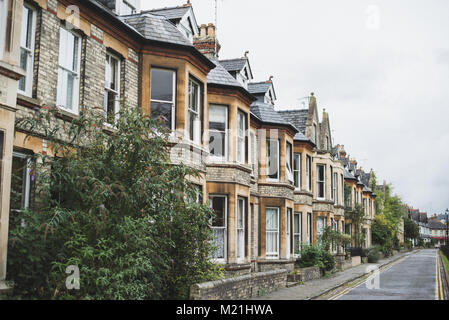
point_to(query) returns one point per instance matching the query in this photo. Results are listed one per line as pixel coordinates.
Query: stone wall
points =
(270, 265)
(243, 287)
(310, 273)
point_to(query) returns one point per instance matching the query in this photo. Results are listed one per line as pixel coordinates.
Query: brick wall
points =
(243, 287)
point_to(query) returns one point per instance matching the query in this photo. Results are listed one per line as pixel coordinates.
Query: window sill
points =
(28, 102)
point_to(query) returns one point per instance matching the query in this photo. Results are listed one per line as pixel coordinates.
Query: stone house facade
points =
(272, 177)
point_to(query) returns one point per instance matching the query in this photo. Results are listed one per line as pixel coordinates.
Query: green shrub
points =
(373, 255)
(327, 260)
(309, 257)
(112, 204)
(316, 257)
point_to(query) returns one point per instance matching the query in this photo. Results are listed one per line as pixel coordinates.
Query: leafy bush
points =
(327, 260)
(373, 255)
(112, 204)
(316, 257)
(310, 257)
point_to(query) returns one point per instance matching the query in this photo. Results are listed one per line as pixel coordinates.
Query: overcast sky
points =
(380, 68)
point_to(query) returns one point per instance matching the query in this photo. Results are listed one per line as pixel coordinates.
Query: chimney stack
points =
(207, 42)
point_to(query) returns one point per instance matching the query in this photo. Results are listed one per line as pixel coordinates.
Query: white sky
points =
(379, 67)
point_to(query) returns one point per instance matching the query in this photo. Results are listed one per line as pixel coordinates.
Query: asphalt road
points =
(413, 278)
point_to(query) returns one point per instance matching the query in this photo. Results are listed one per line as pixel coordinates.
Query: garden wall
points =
(242, 287)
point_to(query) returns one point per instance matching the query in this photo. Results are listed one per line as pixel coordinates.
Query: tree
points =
(356, 215)
(113, 205)
(383, 233)
(411, 229)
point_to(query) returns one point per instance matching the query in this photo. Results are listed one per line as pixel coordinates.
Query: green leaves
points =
(112, 204)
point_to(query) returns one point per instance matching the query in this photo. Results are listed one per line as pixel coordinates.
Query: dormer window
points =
(126, 7)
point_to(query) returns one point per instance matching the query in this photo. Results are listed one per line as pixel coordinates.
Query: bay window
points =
(241, 136)
(320, 180)
(218, 132)
(297, 228)
(288, 162)
(194, 112)
(163, 96)
(297, 170)
(241, 234)
(112, 89)
(68, 71)
(272, 233)
(26, 57)
(219, 205)
(273, 159)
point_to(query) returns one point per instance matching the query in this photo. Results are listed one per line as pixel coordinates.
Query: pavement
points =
(414, 278)
(315, 288)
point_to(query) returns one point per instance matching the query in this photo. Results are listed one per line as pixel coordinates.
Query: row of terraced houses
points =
(274, 178)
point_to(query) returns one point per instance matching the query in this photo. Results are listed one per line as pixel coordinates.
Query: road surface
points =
(414, 278)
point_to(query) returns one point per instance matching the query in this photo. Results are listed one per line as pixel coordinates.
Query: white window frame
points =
(309, 173)
(27, 182)
(60, 96)
(241, 137)
(320, 181)
(309, 228)
(214, 157)
(109, 57)
(3, 11)
(288, 162)
(289, 232)
(191, 112)
(28, 79)
(297, 233)
(225, 228)
(251, 148)
(268, 162)
(173, 101)
(240, 229)
(335, 187)
(297, 170)
(276, 232)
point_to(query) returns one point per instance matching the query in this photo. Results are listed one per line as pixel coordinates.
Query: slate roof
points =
(173, 13)
(234, 64)
(365, 178)
(259, 87)
(156, 28)
(348, 175)
(366, 189)
(436, 224)
(220, 76)
(265, 112)
(297, 117)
